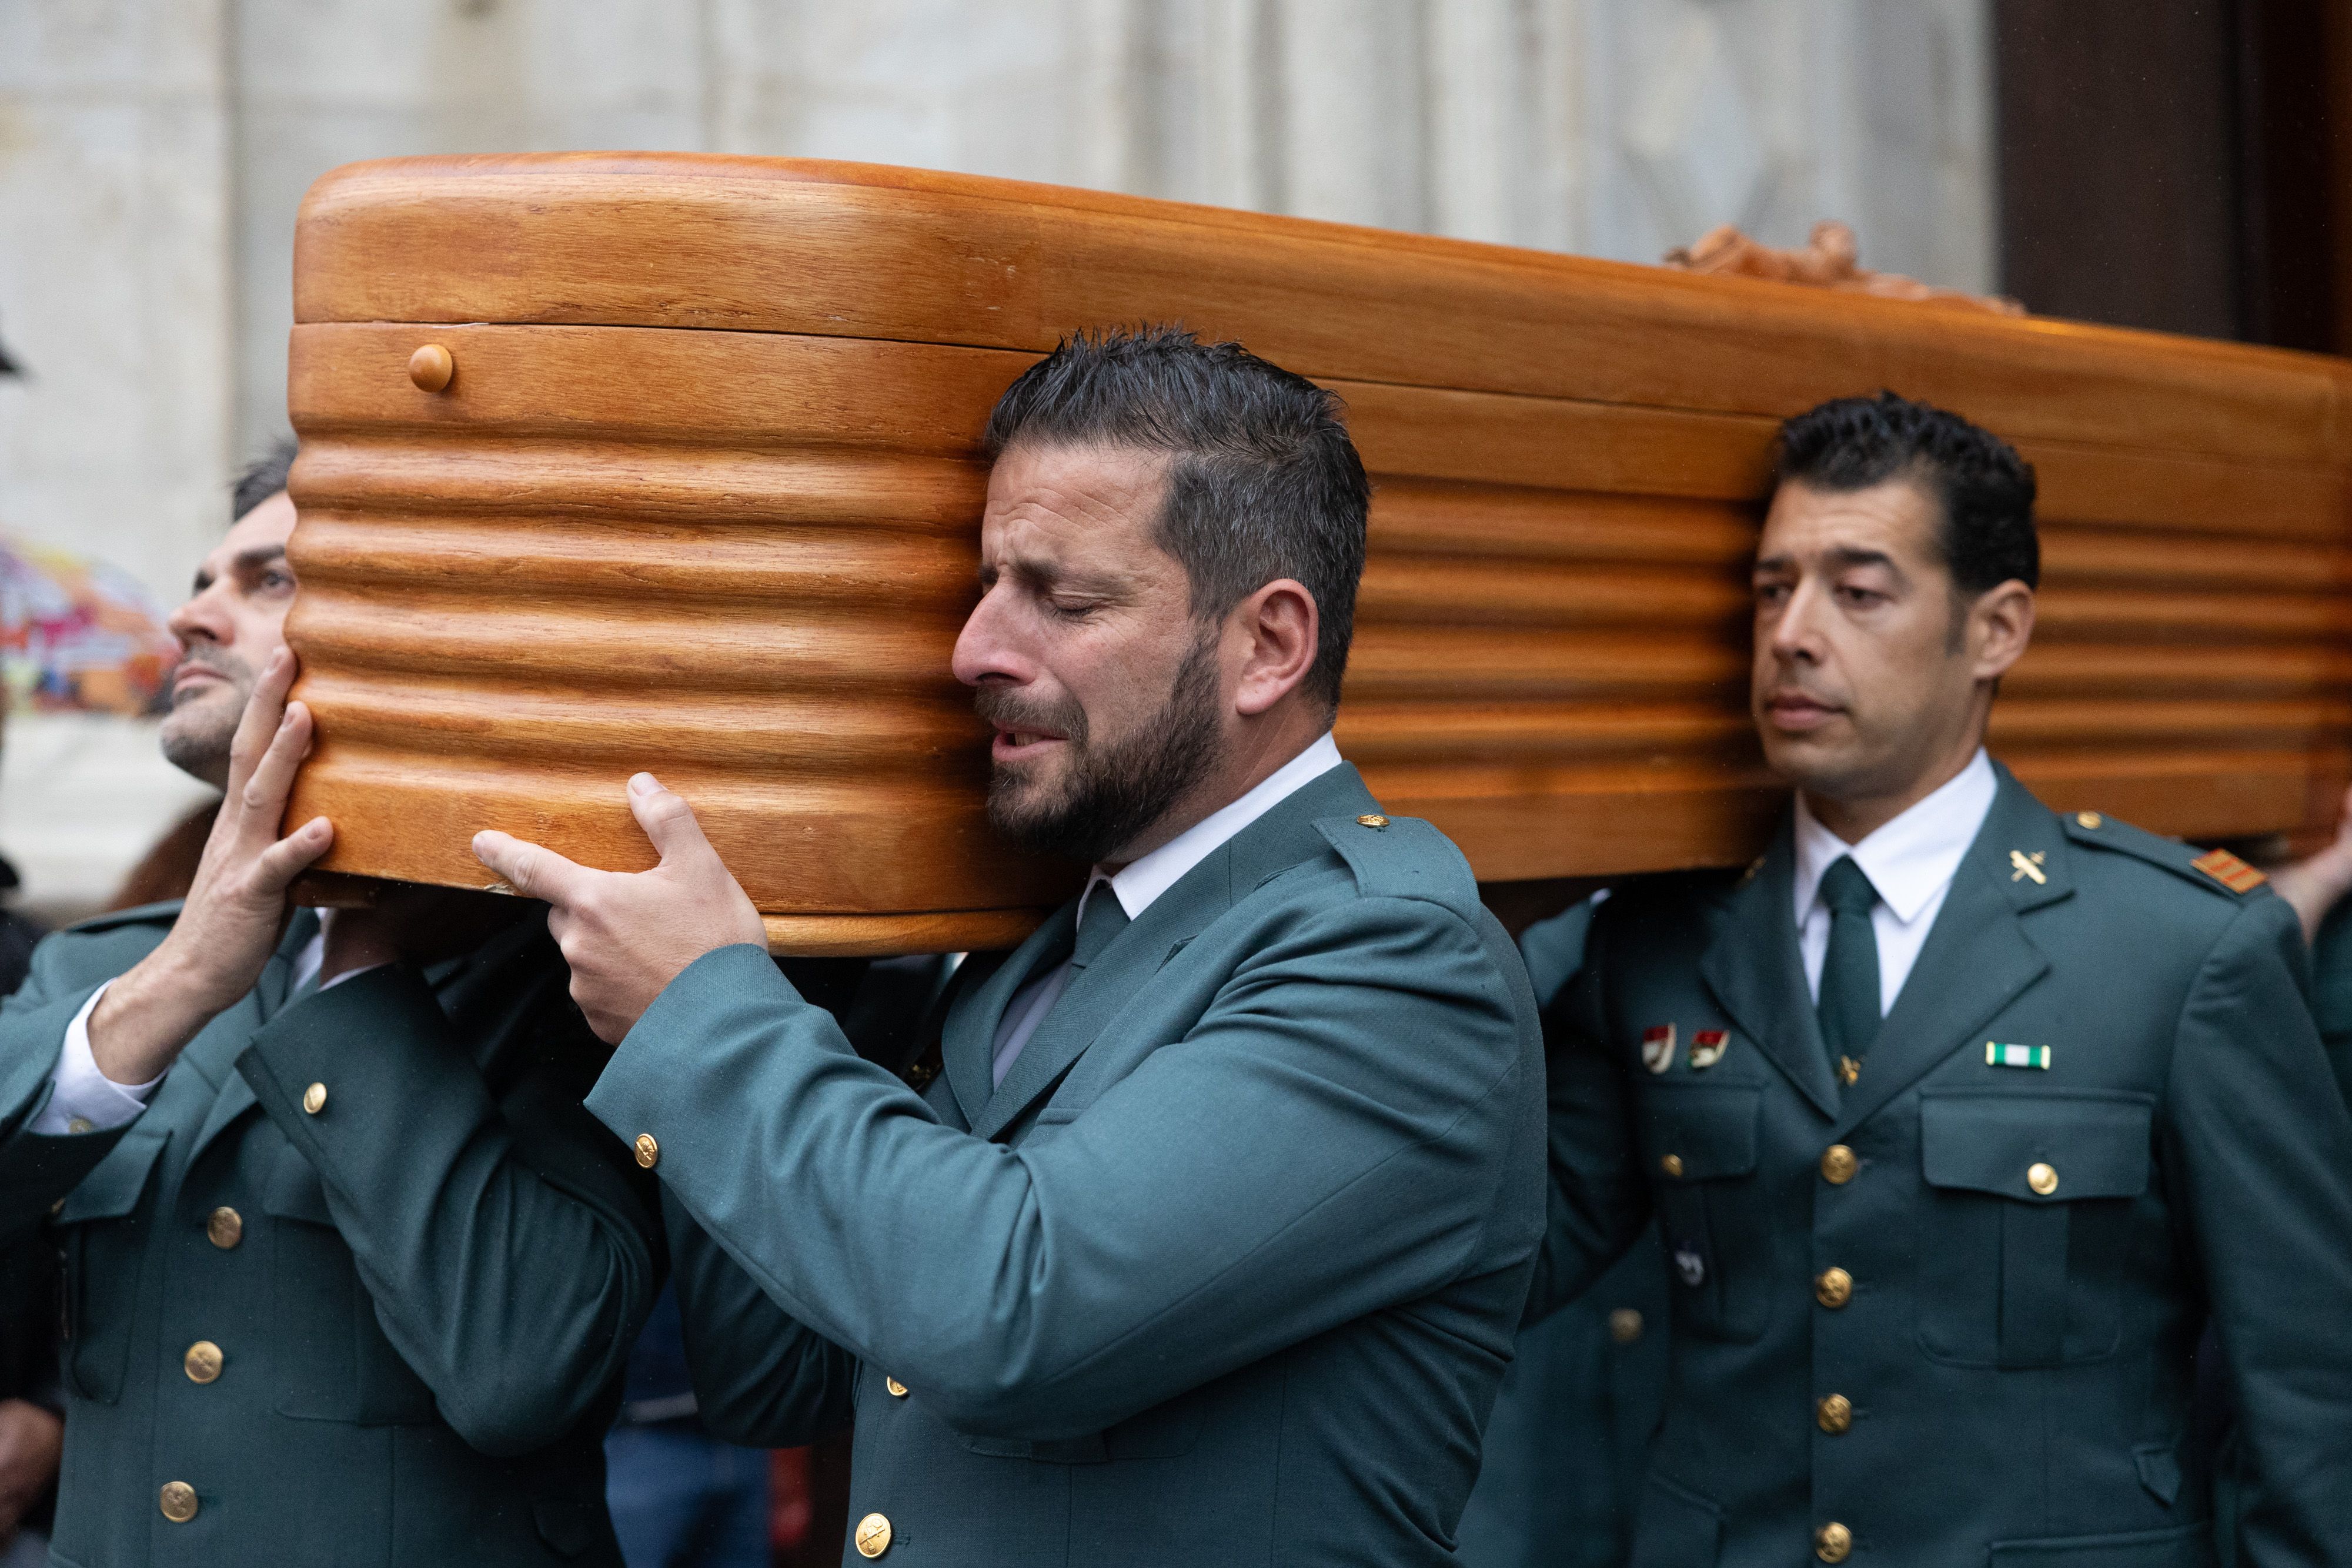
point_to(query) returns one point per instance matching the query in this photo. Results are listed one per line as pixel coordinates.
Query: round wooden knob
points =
(431, 367)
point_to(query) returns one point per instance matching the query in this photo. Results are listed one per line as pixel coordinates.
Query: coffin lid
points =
(690, 240)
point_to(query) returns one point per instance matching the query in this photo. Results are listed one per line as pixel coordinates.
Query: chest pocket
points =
(334, 1362)
(1699, 1143)
(103, 1244)
(2027, 1227)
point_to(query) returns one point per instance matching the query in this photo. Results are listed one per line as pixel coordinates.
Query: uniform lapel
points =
(1978, 957)
(968, 1039)
(1094, 994)
(1280, 838)
(213, 1053)
(1756, 973)
(234, 1100)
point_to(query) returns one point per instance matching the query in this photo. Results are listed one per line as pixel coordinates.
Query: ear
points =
(1274, 631)
(2001, 624)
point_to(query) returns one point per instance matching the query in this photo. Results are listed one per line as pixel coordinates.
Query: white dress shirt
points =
(1910, 860)
(1139, 883)
(87, 1101)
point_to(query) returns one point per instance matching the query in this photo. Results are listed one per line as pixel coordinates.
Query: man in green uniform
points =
(1958, 1116)
(350, 1275)
(1208, 1243)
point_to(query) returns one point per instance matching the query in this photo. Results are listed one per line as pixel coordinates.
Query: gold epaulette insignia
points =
(2229, 871)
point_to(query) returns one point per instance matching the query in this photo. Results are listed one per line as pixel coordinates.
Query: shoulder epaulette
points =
(144, 915)
(1403, 857)
(2216, 870)
(2229, 871)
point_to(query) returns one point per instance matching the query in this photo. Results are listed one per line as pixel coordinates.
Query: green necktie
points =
(1848, 995)
(1103, 919)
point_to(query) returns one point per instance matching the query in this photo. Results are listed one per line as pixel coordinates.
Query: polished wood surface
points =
(700, 494)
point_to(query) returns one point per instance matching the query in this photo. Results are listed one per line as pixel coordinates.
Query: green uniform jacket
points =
(2016, 1360)
(1224, 1273)
(423, 1294)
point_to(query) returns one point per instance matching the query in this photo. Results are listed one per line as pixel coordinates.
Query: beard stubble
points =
(1112, 791)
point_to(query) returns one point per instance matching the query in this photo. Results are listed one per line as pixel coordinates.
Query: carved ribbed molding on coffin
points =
(702, 498)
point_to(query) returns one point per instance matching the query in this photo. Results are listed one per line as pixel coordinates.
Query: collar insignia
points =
(2027, 865)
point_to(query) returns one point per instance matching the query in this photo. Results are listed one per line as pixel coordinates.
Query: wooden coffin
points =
(699, 495)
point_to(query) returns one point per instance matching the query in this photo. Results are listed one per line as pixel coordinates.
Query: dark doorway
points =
(2174, 163)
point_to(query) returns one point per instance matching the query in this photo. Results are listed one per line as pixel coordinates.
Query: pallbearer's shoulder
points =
(1679, 899)
(147, 916)
(1403, 857)
(103, 946)
(1662, 923)
(2213, 874)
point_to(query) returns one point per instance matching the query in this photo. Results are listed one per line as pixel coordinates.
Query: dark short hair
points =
(263, 478)
(1984, 488)
(1263, 483)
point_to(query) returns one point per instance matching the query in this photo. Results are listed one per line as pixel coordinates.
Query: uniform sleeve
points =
(510, 1259)
(1596, 1202)
(2262, 1144)
(37, 1169)
(761, 1379)
(1332, 1136)
(80, 1092)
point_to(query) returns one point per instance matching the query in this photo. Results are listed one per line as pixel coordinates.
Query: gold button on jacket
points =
(1834, 1288)
(1837, 1164)
(178, 1502)
(873, 1535)
(224, 1227)
(314, 1098)
(897, 1389)
(649, 1151)
(1835, 1414)
(2041, 1178)
(1833, 1543)
(202, 1362)
(1672, 1164)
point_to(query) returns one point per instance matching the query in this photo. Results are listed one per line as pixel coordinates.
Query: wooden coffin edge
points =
(789, 935)
(360, 223)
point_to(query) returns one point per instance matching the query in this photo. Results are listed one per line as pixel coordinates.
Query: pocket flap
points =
(2038, 1148)
(113, 1187)
(1708, 1130)
(1089, 1449)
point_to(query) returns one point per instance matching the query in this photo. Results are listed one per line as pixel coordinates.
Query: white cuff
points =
(84, 1099)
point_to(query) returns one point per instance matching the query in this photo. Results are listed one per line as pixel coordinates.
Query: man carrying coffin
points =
(1958, 1116)
(1208, 1243)
(350, 1276)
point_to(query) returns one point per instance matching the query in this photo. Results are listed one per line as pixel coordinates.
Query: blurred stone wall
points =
(153, 152)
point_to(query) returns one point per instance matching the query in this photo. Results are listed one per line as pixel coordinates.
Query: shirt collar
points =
(1142, 881)
(1909, 860)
